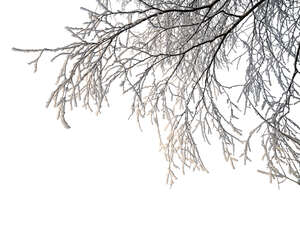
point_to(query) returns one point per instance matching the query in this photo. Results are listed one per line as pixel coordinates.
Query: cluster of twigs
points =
(168, 53)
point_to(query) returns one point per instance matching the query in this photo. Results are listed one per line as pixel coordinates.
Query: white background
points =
(104, 173)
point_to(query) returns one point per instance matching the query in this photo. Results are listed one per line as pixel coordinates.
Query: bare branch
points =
(169, 55)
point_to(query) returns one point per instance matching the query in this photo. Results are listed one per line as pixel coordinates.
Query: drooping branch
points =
(168, 54)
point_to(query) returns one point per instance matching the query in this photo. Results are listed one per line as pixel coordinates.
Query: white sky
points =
(104, 173)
